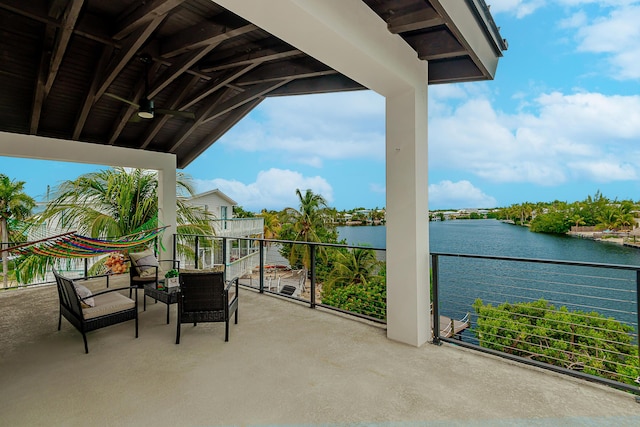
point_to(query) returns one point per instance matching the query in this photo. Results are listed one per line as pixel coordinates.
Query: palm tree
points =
(355, 267)
(14, 205)
(272, 224)
(577, 219)
(306, 224)
(608, 218)
(116, 202)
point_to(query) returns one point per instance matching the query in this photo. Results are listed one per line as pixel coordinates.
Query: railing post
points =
(197, 252)
(262, 244)
(638, 323)
(435, 310)
(86, 268)
(312, 256)
(224, 253)
(174, 254)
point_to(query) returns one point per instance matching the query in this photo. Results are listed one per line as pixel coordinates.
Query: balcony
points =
(284, 364)
(238, 227)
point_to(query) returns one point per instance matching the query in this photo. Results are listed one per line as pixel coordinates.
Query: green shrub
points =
(577, 340)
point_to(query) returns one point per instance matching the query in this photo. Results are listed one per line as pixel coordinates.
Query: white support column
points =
(349, 37)
(408, 317)
(167, 208)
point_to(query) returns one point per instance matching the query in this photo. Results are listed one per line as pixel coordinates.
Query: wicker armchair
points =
(147, 269)
(88, 311)
(205, 297)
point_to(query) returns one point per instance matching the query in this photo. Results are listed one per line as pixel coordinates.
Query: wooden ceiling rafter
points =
(417, 20)
(146, 13)
(215, 84)
(55, 41)
(89, 99)
(67, 25)
(211, 103)
(130, 47)
(201, 35)
(242, 98)
(173, 103)
(180, 66)
(128, 110)
(227, 123)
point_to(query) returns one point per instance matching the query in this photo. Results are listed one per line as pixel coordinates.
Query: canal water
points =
(609, 292)
(491, 237)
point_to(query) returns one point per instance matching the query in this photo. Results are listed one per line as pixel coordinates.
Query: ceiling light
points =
(146, 109)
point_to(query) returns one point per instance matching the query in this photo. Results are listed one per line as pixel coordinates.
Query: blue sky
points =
(560, 121)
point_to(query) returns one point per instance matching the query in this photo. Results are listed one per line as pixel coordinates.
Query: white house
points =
(216, 202)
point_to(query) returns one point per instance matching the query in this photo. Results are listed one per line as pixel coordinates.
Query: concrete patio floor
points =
(285, 364)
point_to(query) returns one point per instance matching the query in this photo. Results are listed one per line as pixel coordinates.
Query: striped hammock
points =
(72, 245)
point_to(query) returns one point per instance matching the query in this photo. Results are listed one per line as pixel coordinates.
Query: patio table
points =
(165, 295)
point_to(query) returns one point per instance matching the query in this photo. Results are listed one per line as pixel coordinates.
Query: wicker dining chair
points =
(205, 297)
(146, 269)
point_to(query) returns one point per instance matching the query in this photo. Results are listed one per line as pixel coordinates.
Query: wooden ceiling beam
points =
(129, 110)
(180, 66)
(129, 49)
(323, 84)
(199, 36)
(55, 41)
(215, 84)
(90, 98)
(146, 13)
(202, 114)
(459, 70)
(292, 69)
(417, 20)
(57, 8)
(246, 58)
(436, 44)
(242, 98)
(227, 123)
(39, 93)
(68, 23)
(173, 103)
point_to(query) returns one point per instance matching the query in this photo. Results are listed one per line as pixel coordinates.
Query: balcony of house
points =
(238, 227)
(310, 347)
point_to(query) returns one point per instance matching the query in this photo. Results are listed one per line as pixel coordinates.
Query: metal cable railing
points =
(576, 318)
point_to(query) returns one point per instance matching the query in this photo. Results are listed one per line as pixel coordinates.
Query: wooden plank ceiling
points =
(79, 69)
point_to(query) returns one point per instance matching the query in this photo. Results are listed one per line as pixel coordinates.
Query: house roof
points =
(216, 192)
(78, 69)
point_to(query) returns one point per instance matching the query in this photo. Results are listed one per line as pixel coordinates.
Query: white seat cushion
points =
(108, 303)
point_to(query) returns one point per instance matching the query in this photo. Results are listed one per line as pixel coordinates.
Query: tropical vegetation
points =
(355, 281)
(15, 206)
(577, 340)
(558, 217)
(305, 224)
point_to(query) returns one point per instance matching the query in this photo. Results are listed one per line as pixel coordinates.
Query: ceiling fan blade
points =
(135, 119)
(185, 114)
(119, 98)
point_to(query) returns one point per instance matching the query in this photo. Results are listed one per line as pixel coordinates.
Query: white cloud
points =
(519, 8)
(272, 189)
(617, 36)
(583, 136)
(310, 129)
(577, 20)
(448, 194)
(377, 188)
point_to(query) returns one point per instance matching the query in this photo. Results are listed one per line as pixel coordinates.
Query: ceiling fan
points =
(146, 107)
